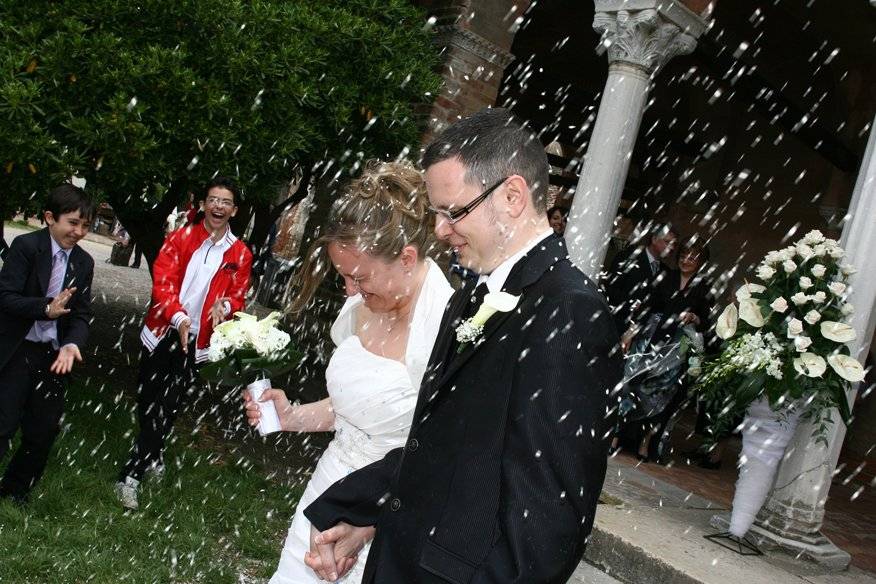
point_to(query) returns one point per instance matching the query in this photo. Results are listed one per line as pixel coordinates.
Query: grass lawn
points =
(212, 518)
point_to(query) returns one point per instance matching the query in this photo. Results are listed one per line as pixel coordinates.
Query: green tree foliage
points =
(146, 100)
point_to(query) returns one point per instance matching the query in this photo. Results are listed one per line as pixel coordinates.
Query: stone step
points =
(589, 574)
(651, 532)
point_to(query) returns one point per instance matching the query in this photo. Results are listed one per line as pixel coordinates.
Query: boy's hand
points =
(58, 306)
(64, 363)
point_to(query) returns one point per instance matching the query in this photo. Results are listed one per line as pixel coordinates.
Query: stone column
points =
(640, 36)
(793, 515)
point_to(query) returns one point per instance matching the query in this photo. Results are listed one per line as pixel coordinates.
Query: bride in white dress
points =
(376, 238)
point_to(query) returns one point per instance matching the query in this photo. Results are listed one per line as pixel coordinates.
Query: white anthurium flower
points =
(795, 327)
(813, 237)
(779, 304)
(805, 251)
(847, 367)
(805, 283)
(749, 311)
(837, 288)
(848, 269)
(819, 296)
(471, 329)
(494, 302)
(765, 273)
(812, 317)
(810, 365)
(838, 332)
(224, 327)
(799, 298)
(746, 290)
(789, 266)
(847, 308)
(726, 325)
(836, 252)
(818, 270)
(801, 343)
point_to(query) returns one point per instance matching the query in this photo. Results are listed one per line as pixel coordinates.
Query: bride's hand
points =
(334, 551)
(281, 403)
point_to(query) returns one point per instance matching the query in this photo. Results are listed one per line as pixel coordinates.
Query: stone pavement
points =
(850, 513)
(651, 531)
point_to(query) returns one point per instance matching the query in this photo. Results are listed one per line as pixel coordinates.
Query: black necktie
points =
(477, 298)
(655, 267)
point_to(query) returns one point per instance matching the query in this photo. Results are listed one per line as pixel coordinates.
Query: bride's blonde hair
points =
(379, 213)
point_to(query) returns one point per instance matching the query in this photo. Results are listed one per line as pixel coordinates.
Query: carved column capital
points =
(646, 33)
(471, 42)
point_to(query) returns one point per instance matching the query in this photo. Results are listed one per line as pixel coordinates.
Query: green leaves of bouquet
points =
(786, 338)
(244, 347)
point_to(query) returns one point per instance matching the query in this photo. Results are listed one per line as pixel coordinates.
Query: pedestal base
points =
(818, 548)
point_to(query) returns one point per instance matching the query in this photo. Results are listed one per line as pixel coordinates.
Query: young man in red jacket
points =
(199, 279)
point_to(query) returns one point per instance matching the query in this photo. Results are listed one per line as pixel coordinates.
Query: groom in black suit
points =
(505, 460)
(45, 312)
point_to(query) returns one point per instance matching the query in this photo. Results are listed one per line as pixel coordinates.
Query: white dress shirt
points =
(203, 265)
(37, 334)
(496, 279)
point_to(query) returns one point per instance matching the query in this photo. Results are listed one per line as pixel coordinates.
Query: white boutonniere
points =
(471, 329)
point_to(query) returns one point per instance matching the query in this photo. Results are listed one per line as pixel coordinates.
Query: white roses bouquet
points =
(785, 339)
(245, 346)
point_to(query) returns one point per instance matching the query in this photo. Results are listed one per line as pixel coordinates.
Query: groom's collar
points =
(497, 279)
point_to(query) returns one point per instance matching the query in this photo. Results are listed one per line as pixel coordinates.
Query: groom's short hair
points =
(492, 145)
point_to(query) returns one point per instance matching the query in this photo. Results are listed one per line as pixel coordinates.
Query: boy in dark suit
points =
(45, 311)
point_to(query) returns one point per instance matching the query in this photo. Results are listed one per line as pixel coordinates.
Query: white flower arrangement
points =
(246, 345)
(245, 331)
(785, 337)
(471, 329)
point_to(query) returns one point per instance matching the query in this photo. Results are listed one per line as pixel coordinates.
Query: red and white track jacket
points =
(168, 271)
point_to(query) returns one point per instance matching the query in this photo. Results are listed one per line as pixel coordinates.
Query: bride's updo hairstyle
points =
(379, 213)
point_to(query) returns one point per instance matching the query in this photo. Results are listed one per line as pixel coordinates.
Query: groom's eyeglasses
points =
(456, 215)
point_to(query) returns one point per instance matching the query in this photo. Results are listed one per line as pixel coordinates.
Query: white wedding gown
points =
(373, 399)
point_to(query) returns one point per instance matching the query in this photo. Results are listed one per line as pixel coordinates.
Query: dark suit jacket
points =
(505, 460)
(23, 282)
(629, 281)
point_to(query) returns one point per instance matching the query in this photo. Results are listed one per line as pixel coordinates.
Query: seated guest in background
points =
(200, 277)
(630, 279)
(45, 312)
(557, 217)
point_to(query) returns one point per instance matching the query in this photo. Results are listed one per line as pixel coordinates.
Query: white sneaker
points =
(155, 472)
(126, 492)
